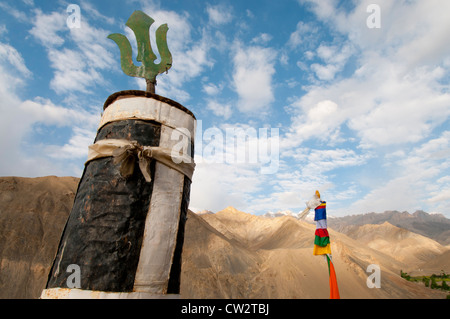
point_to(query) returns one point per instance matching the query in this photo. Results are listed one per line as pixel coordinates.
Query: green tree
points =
(433, 282)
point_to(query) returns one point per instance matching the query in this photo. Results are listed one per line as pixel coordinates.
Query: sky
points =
(350, 98)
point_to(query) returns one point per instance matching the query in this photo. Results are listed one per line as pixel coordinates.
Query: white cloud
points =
(305, 34)
(94, 46)
(229, 162)
(11, 126)
(222, 110)
(261, 39)
(437, 148)
(42, 112)
(3, 29)
(88, 8)
(219, 14)
(335, 58)
(75, 69)
(324, 72)
(442, 195)
(413, 33)
(12, 60)
(405, 107)
(217, 185)
(419, 177)
(252, 77)
(190, 57)
(212, 89)
(20, 119)
(17, 14)
(45, 112)
(382, 102)
(322, 121)
(396, 98)
(284, 59)
(304, 170)
(76, 147)
(396, 194)
(383, 92)
(322, 161)
(47, 28)
(71, 72)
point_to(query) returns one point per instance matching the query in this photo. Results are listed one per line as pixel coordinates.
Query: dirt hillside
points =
(403, 245)
(280, 263)
(33, 212)
(229, 254)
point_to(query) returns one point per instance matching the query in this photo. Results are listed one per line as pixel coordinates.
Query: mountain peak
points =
(231, 209)
(434, 226)
(233, 212)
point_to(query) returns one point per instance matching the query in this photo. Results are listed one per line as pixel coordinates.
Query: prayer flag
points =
(322, 246)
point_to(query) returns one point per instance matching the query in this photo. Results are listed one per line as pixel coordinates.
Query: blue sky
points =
(362, 112)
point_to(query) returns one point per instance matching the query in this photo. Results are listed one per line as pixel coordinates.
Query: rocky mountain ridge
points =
(435, 226)
(279, 263)
(228, 254)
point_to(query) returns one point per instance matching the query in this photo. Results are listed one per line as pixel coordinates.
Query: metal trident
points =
(140, 23)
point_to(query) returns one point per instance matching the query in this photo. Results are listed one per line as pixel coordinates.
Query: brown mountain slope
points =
(259, 233)
(33, 212)
(434, 265)
(434, 226)
(408, 247)
(289, 270)
(230, 254)
(215, 266)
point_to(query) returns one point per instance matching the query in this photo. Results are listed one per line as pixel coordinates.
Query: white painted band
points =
(139, 107)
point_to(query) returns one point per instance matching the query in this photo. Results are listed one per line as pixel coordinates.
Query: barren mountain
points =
(434, 226)
(33, 212)
(229, 254)
(280, 263)
(401, 244)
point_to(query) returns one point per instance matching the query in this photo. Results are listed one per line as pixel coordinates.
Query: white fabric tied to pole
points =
(125, 152)
(311, 204)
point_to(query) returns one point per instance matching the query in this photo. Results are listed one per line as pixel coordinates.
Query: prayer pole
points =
(125, 233)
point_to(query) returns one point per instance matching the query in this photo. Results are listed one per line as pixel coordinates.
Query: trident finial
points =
(140, 23)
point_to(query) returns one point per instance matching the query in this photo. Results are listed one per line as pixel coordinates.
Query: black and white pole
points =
(126, 229)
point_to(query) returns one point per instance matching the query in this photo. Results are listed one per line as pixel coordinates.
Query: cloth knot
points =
(126, 157)
(126, 153)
